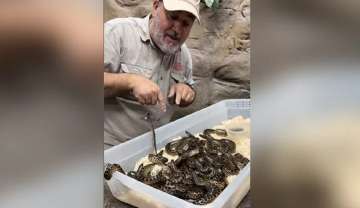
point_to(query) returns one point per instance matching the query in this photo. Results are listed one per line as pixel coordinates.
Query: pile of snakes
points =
(199, 173)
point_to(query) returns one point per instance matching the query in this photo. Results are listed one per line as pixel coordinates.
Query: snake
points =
(199, 173)
(157, 158)
(219, 132)
(112, 168)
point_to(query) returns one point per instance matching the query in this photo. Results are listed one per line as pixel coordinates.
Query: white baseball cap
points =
(191, 6)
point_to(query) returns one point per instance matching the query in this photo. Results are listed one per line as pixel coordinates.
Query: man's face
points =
(169, 29)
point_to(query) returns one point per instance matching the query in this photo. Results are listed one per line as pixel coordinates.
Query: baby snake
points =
(199, 173)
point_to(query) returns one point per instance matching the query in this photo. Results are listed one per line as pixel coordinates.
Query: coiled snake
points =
(199, 173)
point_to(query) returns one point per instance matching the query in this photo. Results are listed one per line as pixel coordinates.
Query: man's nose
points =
(177, 28)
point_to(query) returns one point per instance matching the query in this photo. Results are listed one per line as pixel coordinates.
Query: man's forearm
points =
(116, 84)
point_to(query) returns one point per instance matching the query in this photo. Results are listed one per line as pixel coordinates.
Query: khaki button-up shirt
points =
(128, 48)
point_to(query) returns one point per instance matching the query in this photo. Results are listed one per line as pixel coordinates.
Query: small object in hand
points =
(149, 117)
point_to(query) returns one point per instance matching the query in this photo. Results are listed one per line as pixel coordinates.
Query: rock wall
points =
(220, 48)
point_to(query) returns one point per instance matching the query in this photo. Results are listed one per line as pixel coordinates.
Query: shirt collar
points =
(144, 29)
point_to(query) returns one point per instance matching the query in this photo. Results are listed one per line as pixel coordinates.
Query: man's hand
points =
(146, 91)
(184, 95)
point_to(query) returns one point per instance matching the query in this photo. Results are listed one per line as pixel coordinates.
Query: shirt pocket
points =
(137, 69)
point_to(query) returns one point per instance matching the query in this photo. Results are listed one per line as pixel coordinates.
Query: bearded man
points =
(148, 68)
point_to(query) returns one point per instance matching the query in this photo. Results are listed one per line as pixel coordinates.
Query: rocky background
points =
(220, 48)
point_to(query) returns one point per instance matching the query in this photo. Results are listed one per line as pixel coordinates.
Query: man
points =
(148, 68)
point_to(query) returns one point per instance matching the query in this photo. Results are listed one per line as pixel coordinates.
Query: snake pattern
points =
(199, 173)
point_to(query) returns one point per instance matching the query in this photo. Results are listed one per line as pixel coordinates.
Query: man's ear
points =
(155, 5)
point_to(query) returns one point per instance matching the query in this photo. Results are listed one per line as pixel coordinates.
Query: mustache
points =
(173, 34)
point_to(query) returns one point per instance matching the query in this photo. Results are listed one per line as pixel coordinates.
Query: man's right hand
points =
(146, 91)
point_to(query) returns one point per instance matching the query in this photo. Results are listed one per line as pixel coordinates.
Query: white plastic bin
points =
(127, 154)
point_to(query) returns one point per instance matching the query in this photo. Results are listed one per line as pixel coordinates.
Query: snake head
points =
(110, 169)
(219, 132)
(157, 158)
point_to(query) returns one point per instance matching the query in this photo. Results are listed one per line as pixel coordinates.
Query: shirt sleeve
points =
(188, 67)
(112, 46)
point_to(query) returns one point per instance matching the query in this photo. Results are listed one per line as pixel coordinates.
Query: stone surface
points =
(220, 48)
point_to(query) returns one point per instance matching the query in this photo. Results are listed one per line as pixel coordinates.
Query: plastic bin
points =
(127, 154)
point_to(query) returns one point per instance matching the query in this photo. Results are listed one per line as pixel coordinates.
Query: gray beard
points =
(158, 36)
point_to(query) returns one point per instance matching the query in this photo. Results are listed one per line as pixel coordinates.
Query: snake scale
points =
(199, 173)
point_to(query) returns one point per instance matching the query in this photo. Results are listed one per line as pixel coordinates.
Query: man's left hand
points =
(184, 94)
